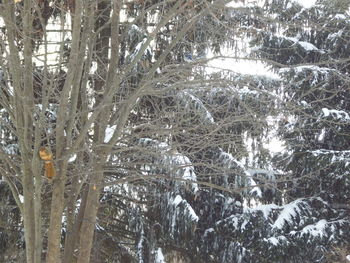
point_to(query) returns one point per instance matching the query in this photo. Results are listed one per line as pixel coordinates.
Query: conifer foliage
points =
(158, 155)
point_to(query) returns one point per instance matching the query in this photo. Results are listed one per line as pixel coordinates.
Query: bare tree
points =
(78, 79)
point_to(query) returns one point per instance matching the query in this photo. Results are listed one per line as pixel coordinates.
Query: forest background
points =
(161, 148)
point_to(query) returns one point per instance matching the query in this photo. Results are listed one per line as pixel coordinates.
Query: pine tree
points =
(308, 48)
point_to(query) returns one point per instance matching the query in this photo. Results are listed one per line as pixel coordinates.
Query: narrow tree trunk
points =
(57, 205)
(38, 220)
(89, 219)
(74, 233)
(27, 101)
(92, 202)
(28, 216)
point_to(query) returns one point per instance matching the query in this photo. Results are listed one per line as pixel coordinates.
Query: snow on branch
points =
(178, 216)
(109, 132)
(175, 163)
(334, 156)
(289, 213)
(299, 222)
(193, 103)
(307, 46)
(230, 161)
(263, 177)
(335, 114)
(315, 70)
(265, 209)
(235, 169)
(178, 201)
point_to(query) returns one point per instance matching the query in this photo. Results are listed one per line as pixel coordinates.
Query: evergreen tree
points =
(309, 49)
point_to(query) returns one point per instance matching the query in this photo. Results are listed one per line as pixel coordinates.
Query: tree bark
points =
(54, 236)
(74, 231)
(28, 216)
(92, 201)
(89, 219)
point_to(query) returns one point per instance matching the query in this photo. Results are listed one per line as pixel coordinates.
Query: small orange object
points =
(46, 156)
(50, 171)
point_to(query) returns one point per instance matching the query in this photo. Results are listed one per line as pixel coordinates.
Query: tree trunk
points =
(57, 205)
(89, 219)
(28, 216)
(74, 231)
(38, 219)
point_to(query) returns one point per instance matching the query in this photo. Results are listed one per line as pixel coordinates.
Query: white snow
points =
(189, 174)
(316, 229)
(138, 48)
(21, 198)
(316, 70)
(179, 165)
(178, 199)
(275, 145)
(304, 103)
(336, 35)
(72, 158)
(265, 209)
(159, 257)
(348, 257)
(306, 3)
(140, 245)
(99, 227)
(340, 16)
(337, 156)
(245, 222)
(243, 66)
(10, 149)
(336, 114)
(273, 241)
(184, 168)
(325, 112)
(287, 214)
(188, 208)
(109, 133)
(268, 174)
(185, 209)
(307, 46)
(207, 231)
(246, 90)
(134, 29)
(228, 159)
(321, 136)
(256, 191)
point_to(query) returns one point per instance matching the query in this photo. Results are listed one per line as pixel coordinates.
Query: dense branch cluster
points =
(158, 155)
